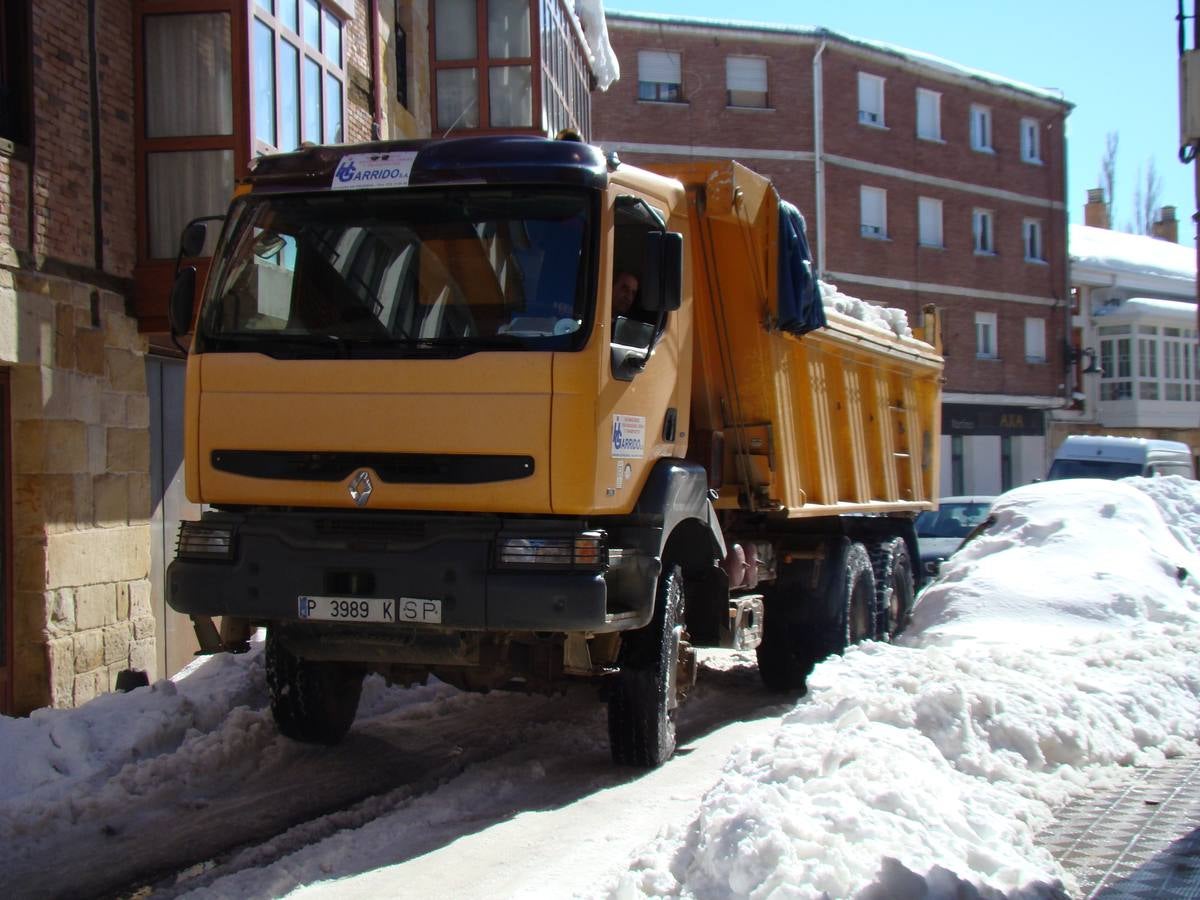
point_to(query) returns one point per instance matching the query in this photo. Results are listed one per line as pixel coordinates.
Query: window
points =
(981, 128)
(298, 75)
(1035, 340)
(746, 81)
(1116, 367)
(929, 115)
(870, 99)
(1177, 348)
(15, 81)
(982, 231)
(929, 222)
(1032, 233)
(660, 76)
(985, 335)
(873, 204)
(482, 64)
(1030, 141)
(188, 95)
(1147, 356)
(565, 74)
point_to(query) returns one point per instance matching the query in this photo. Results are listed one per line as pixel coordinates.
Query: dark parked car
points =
(941, 531)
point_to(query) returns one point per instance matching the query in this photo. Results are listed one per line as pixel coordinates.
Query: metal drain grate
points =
(1138, 841)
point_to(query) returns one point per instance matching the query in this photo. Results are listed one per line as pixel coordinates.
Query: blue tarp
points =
(800, 307)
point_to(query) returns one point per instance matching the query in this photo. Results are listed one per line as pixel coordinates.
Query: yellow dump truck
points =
(429, 443)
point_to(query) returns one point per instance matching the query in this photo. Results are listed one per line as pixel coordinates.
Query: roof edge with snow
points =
(817, 32)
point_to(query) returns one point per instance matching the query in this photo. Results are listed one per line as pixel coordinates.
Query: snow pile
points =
(590, 15)
(1134, 253)
(883, 318)
(53, 757)
(1055, 648)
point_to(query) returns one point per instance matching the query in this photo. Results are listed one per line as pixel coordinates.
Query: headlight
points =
(204, 540)
(586, 550)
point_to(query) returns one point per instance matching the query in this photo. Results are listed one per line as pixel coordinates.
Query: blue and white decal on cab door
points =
(373, 170)
(628, 437)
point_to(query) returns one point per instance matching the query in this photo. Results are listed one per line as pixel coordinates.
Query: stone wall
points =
(81, 489)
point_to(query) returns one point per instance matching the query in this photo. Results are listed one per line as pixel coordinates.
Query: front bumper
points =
(278, 557)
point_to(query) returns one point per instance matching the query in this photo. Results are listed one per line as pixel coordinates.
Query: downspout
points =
(97, 156)
(819, 155)
(376, 73)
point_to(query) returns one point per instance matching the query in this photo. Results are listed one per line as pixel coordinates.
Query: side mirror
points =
(191, 243)
(662, 271)
(183, 296)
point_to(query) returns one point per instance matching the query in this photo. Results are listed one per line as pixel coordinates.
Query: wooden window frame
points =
(482, 63)
(153, 276)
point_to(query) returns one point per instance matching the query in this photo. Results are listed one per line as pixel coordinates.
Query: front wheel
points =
(313, 702)
(645, 696)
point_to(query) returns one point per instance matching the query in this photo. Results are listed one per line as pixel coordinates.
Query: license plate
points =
(348, 609)
(371, 609)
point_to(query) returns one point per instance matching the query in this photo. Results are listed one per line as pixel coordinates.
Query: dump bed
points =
(842, 418)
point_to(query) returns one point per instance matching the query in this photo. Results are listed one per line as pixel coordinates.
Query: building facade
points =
(1137, 370)
(921, 182)
(120, 121)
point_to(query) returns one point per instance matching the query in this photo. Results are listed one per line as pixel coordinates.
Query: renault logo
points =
(360, 488)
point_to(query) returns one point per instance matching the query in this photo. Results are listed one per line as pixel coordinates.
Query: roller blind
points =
(742, 73)
(659, 66)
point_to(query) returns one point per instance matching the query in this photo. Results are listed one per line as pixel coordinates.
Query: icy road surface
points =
(423, 769)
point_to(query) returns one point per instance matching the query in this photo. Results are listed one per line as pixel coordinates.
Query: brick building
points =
(121, 120)
(922, 182)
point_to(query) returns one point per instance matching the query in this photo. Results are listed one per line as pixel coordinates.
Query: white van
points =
(1105, 456)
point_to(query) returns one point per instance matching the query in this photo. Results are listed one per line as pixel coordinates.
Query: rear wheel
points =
(313, 702)
(894, 586)
(858, 596)
(784, 660)
(646, 692)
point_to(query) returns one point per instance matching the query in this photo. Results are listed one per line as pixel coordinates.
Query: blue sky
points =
(1116, 60)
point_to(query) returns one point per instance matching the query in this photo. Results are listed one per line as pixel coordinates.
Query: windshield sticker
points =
(374, 170)
(628, 437)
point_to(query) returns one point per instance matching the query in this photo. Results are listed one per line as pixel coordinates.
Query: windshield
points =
(951, 520)
(1092, 468)
(435, 271)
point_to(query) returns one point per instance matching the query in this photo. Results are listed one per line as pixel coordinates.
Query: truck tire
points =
(644, 697)
(859, 596)
(894, 586)
(312, 702)
(784, 661)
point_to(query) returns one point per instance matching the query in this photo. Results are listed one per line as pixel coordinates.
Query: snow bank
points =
(1054, 649)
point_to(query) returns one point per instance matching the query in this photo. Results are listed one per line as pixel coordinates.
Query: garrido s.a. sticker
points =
(628, 437)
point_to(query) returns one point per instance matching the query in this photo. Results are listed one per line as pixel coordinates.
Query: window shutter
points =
(660, 66)
(928, 124)
(873, 210)
(743, 73)
(1035, 339)
(929, 225)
